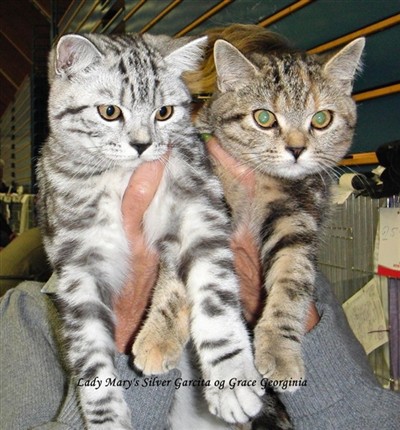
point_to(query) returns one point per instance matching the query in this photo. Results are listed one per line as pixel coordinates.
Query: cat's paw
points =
(154, 354)
(276, 362)
(109, 426)
(236, 395)
(280, 367)
(233, 405)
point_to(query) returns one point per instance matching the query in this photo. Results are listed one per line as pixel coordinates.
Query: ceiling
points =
(312, 24)
(18, 20)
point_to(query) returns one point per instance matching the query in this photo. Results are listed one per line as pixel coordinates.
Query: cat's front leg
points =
(231, 382)
(88, 325)
(160, 342)
(280, 331)
(278, 359)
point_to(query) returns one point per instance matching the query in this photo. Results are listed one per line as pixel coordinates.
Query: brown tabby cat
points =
(289, 117)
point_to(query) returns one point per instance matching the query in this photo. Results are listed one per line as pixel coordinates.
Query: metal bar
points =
(64, 17)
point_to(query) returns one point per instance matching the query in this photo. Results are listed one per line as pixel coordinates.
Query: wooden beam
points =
(377, 92)
(203, 17)
(11, 42)
(86, 17)
(365, 31)
(42, 10)
(284, 12)
(133, 10)
(359, 159)
(160, 16)
(72, 17)
(9, 79)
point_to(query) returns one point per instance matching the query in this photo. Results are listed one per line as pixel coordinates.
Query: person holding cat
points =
(340, 392)
(35, 393)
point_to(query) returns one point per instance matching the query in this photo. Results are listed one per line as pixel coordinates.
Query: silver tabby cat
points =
(289, 118)
(116, 102)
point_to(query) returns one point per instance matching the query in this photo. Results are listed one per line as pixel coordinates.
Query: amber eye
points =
(109, 112)
(321, 119)
(164, 113)
(264, 118)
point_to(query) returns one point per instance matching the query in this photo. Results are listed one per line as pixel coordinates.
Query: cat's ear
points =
(188, 56)
(74, 53)
(233, 68)
(344, 65)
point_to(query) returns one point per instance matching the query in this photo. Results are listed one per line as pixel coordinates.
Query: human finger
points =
(138, 195)
(242, 173)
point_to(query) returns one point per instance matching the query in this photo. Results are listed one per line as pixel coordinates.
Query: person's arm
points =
(341, 391)
(244, 245)
(138, 196)
(35, 389)
(33, 380)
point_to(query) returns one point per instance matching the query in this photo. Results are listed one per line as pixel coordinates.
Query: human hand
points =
(131, 304)
(244, 245)
(243, 174)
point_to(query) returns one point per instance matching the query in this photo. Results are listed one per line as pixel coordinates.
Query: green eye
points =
(109, 112)
(164, 113)
(321, 119)
(264, 118)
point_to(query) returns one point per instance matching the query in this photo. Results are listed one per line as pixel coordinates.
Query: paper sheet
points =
(366, 317)
(389, 242)
(340, 194)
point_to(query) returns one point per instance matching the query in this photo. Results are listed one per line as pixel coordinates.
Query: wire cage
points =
(19, 211)
(347, 259)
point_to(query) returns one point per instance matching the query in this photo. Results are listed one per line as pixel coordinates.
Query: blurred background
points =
(29, 27)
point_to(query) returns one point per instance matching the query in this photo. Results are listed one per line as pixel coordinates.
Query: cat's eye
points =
(164, 113)
(321, 119)
(109, 112)
(264, 118)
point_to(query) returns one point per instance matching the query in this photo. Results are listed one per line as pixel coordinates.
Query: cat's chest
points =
(114, 182)
(98, 198)
(250, 199)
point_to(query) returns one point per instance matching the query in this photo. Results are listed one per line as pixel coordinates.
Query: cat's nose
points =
(295, 150)
(140, 147)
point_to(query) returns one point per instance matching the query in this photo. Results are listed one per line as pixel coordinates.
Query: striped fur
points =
(292, 162)
(83, 171)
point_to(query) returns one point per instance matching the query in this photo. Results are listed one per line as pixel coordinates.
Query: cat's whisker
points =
(324, 178)
(360, 176)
